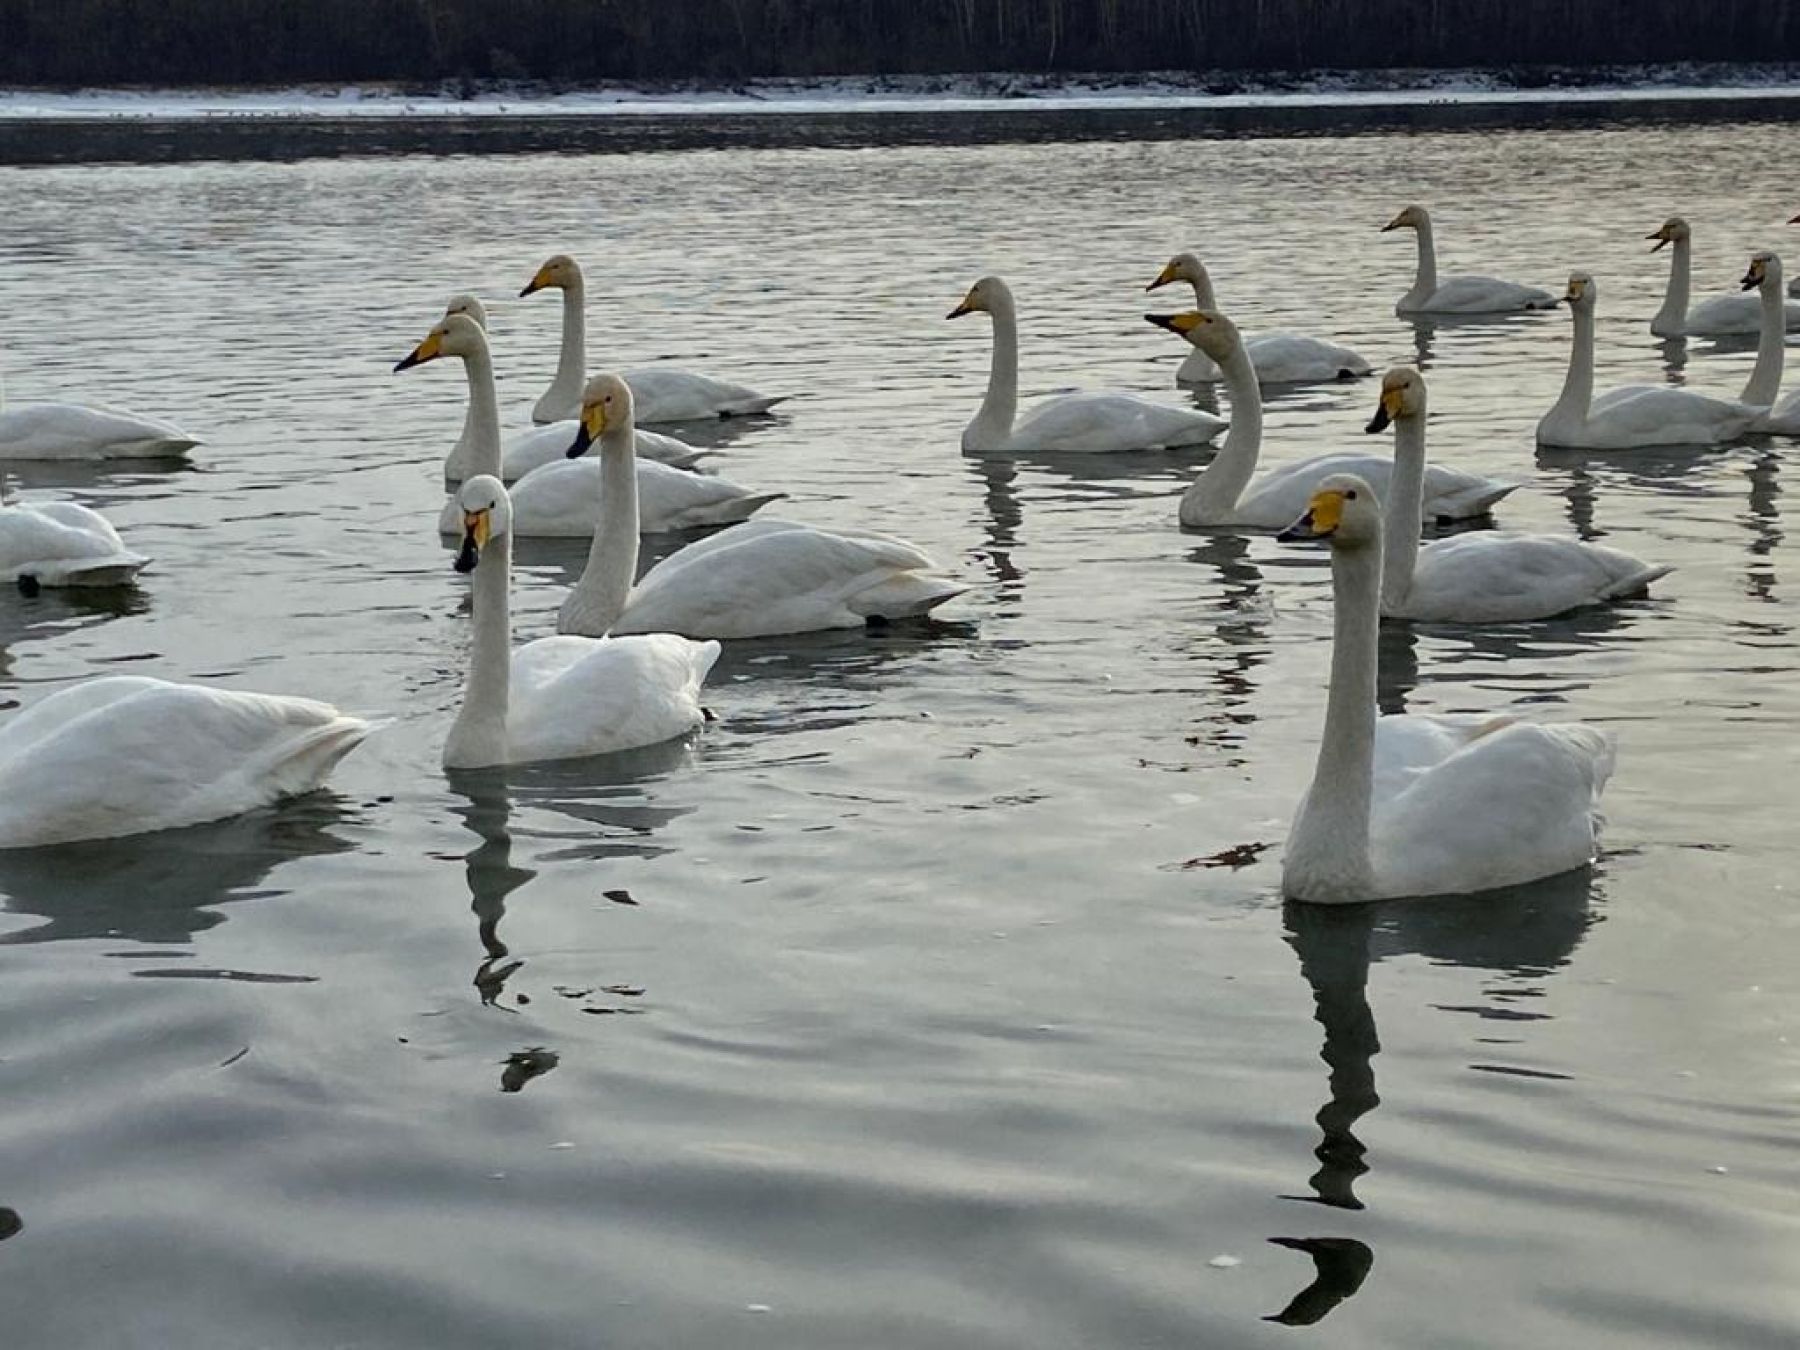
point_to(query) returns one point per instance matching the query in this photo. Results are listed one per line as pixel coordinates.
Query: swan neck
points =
(1212, 496)
(1425, 280)
(1671, 319)
(1203, 291)
(479, 449)
(1405, 509)
(599, 597)
(478, 736)
(563, 398)
(1771, 354)
(992, 426)
(1578, 386)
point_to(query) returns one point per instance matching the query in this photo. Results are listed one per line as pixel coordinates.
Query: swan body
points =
(758, 579)
(1069, 423)
(64, 544)
(1633, 416)
(663, 393)
(129, 754)
(1764, 386)
(1224, 495)
(1423, 805)
(1461, 294)
(1484, 576)
(1720, 316)
(558, 697)
(1279, 358)
(78, 431)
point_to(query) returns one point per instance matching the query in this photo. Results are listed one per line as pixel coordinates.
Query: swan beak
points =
(428, 350)
(1164, 277)
(1394, 224)
(1754, 277)
(1384, 414)
(475, 537)
(537, 283)
(1321, 519)
(966, 307)
(593, 422)
(1183, 323)
(1795, 221)
(1661, 239)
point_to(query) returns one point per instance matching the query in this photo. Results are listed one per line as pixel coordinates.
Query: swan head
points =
(1765, 272)
(605, 402)
(1410, 218)
(1672, 231)
(986, 294)
(1182, 267)
(486, 513)
(559, 271)
(1402, 395)
(1207, 329)
(1582, 292)
(469, 307)
(455, 335)
(1344, 511)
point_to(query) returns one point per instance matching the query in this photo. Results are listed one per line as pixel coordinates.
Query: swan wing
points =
(573, 696)
(1484, 295)
(548, 444)
(668, 394)
(1725, 315)
(1104, 423)
(1277, 498)
(80, 431)
(1487, 577)
(1644, 415)
(1292, 358)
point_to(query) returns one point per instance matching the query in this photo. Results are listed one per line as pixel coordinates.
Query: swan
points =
(1279, 358)
(1457, 295)
(663, 393)
(1069, 423)
(1483, 576)
(127, 754)
(81, 431)
(758, 579)
(1223, 496)
(1717, 317)
(1635, 415)
(562, 500)
(524, 451)
(63, 544)
(1764, 387)
(1794, 285)
(1423, 805)
(558, 697)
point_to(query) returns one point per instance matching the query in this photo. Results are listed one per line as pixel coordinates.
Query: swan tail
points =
(116, 569)
(310, 759)
(1467, 503)
(750, 407)
(1636, 582)
(906, 594)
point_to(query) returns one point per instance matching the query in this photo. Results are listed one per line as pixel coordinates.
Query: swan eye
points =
(1350, 495)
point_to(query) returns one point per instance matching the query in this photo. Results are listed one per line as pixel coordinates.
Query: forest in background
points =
(248, 42)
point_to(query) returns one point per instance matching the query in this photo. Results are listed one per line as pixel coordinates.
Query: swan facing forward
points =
(1633, 416)
(1483, 576)
(1068, 423)
(1764, 387)
(127, 754)
(1717, 317)
(664, 393)
(1224, 497)
(758, 579)
(1279, 358)
(1456, 295)
(558, 697)
(79, 431)
(63, 544)
(1421, 805)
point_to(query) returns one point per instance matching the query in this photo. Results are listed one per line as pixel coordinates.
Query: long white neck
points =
(1671, 319)
(1771, 347)
(1203, 290)
(478, 736)
(1405, 508)
(1210, 498)
(1425, 282)
(563, 397)
(479, 449)
(992, 427)
(1328, 852)
(1578, 387)
(599, 597)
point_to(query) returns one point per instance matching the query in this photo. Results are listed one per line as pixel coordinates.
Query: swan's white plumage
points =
(1458, 294)
(1717, 316)
(64, 544)
(562, 500)
(78, 431)
(549, 444)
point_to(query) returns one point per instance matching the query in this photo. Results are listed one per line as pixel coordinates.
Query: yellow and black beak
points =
(1163, 278)
(537, 283)
(1754, 277)
(966, 307)
(1393, 224)
(1385, 412)
(428, 350)
(1183, 323)
(592, 423)
(1323, 513)
(475, 537)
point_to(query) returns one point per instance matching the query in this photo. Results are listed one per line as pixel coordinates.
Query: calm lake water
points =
(904, 1009)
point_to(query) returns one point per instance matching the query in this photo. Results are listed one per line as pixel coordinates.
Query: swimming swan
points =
(758, 579)
(1224, 497)
(1423, 805)
(1068, 423)
(1721, 315)
(1483, 576)
(1279, 358)
(1457, 295)
(80, 431)
(1764, 387)
(1633, 416)
(63, 544)
(558, 697)
(663, 393)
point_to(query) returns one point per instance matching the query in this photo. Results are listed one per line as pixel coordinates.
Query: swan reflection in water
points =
(1529, 932)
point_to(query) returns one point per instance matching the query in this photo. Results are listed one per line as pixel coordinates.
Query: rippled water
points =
(907, 1009)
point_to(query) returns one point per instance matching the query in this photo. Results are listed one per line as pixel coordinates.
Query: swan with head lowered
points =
(758, 579)
(558, 697)
(524, 451)
(1461, 294)
(63, 544)
(1068, 423)
(1782, 415)
(1634, 416)
(1719, 316)
(563, 499)
(38, 431)
(1224, 495)
(663, 393)
(1425, 805)
(1482, 576)
(1279, 358)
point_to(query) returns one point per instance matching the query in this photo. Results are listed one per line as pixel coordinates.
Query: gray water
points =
(942, 993)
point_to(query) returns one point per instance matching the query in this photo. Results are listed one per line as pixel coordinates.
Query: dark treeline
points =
(67, 42)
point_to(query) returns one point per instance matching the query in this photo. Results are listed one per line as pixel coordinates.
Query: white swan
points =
(1224, 497)
(127, 754)
(1635, 415)
(63, 544)
(524, 451)
(663, 393)
(81, 431)
(1279, 358)
(562, 500)
(1483, 576)
(1717, 317)
(1068, 423)
(1421, 805)
(1794, 285)
(558, 697)
(758, 579)
(1457, 295)
(1764, 387)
